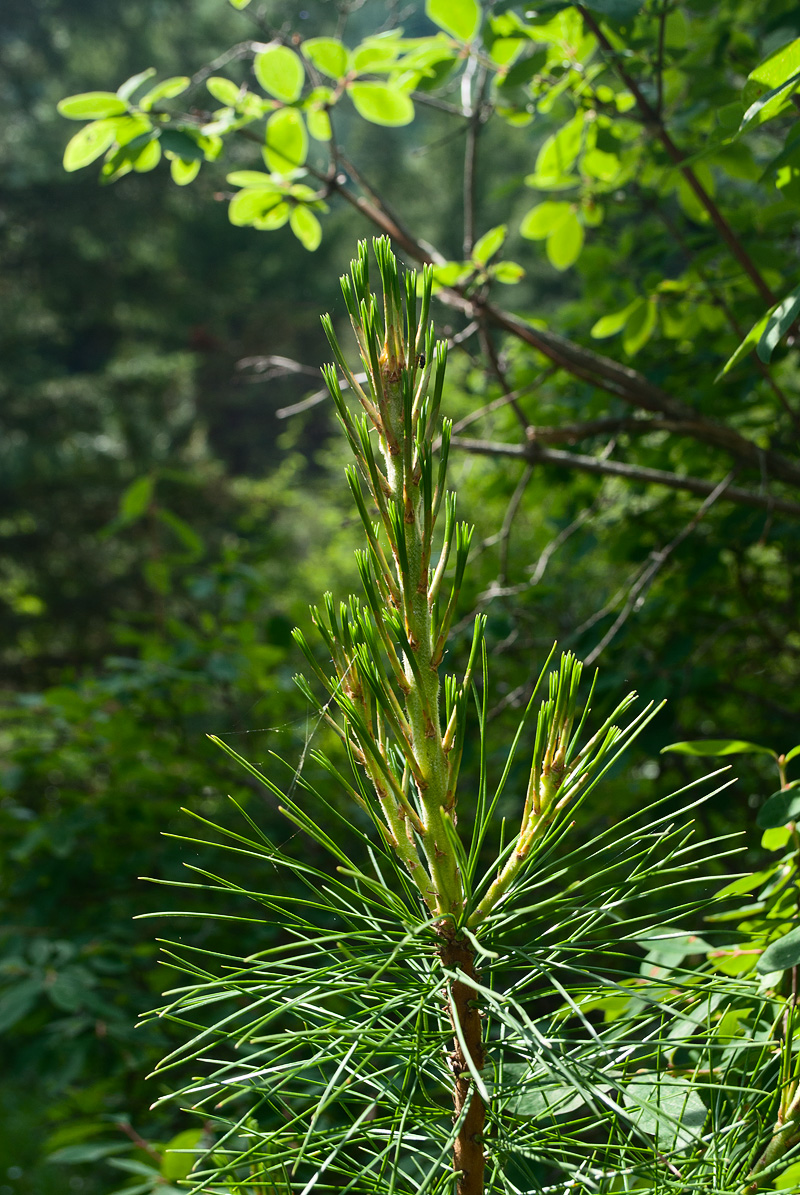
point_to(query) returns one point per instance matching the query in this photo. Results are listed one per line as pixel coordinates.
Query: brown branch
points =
(617, 379)
(593, 464)
(468, 1151)
(654, 120)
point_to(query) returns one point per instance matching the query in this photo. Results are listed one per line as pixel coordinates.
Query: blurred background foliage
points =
(162, 527)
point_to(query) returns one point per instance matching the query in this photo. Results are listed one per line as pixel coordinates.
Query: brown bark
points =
(468, 1151)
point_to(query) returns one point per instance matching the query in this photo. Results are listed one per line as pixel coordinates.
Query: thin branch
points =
(638, 590)
(662, 26)
(654, 120)
(592, 464)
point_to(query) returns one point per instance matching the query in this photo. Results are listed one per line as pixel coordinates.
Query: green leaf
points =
(166, 90)
(782, 807)
(781, 954)
(564, 244)
(617, 10)
(253, 203)
(747, 345)
(776, 838)
(640, 325)
(182, 145)
(328, 55)
(224, 90)
(286, 145)
(769, 87)
(319, 124)
(148, 157)
(177, 1164)
(126, 89)
(459, 18)
(90, 143)
(666, 1107)
(252, 178)
(72, 1155)
(239, 3)
(17, 1002)
(540, 221)
(795, 751)
(507, 272)
(789, 1180)
(183, 172)
(280, 72)
(487, 245)
(558, 154)
(611, 324)
(92, 105)
(306, 227)
(381, 104)
(136, 499)
(778, 324)
(274, 218)
(186, 534)
(718, 747)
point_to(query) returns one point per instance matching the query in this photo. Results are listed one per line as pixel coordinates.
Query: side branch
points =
(590, 464)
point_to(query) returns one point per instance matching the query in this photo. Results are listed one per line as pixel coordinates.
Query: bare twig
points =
(638, 590)
(593, 464)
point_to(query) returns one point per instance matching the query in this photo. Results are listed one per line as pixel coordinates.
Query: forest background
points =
(166, 515)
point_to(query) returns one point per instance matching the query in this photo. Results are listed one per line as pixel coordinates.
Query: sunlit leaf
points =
(306, 227)
(286, 141)
(381, 104)
(781, 954)
(328, 55)
(460, 18)
(280, 72)
(92, 105)
(714, 747)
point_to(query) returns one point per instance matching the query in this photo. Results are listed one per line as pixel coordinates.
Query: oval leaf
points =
(252, 204)
(782, 807)
(609, 325)
(183, 172)
(540, 221)
(328, 55)
(381, 104)
(166, 90)
(306, 227)
(92, 105)
(88, 144)
(224, 90)
(488, 244)
(781, 954)
(565, 242)
(286, 141)
(460, 18)
(778, 324)
(640, 326)
(280, 72)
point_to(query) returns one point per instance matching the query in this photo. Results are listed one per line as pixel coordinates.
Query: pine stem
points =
(468, 1149)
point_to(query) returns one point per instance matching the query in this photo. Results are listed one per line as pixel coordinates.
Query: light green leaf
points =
(614, 322)
(319, 123)
(92, 105)
(507, 272)
(781, 954)
(558, 153)
(239, 3)
(280, 72)
(90, 143)
(306, 227)
(564, 244)
(286, 141)
(148, 156)
(487, 245)
(795, 751)
(540, 221)
(166, 90)
(328, 55)
(182, 145)
(789, 1180)
(459, 18)
(780, 808)
(252, 178)
(183, 172)
(274, 218)
(778, 324)
(776, 838)
(769, 87)
(176, 1164)
(717, 747)
(640, 325)
(252, 204)
(186, 534)
(136, 498)
(126, 89)
(381, 104)
(224, 90)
